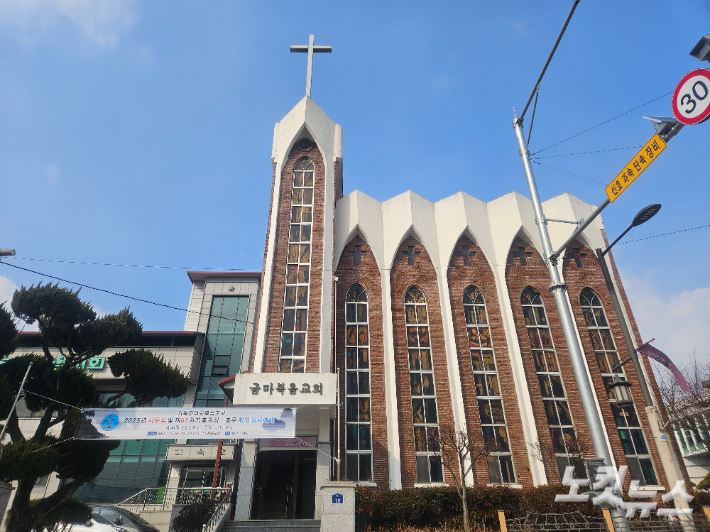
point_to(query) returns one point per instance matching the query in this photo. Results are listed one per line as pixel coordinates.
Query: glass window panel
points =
(305, 233)
(420, 445)
(415, 382)
(602, 361)
(308, 179)
(551, 361)
(293, 253)
(299, 345)
(308, 196)
(362, 313)
(489, 434)
(302, 296)
(303, 273)
(427, 384)
(351, 382)
(432, 438)
(350, 355)
(557, 389)
(295, 214)
(476, 361)
(626, 442)
(608, 341)
(366, 468)
(493, 388)
(364, 438)
(502, 439)
(295, 233)
(564, 413)
(558, 442)
(635, 470)
(414, 361)
(551, 413)
(539, 359)
(417, 410)
(480, 383)
(540, 314)
(352, 467)
(648, 472)
(485, 337)
(363, 358)
(289, 320)
(473, 337)
(133, 447)
(601, 318)
(298, 177)
(301, 320)
(412, 337)
(410, 315)
(423, 336)
(481, 315)
(421, 314)
(545, 386)
(489, 361)
(307, 214)
(437, 475)
(639, 442)
(364, 382)
(545, 338)
(497, 411)
(426, 359)
(350, 312)
(351, 408)
(290, 300)
(305, 254)
(285, 365)
(589, 317)
(362, 336)
(422, 469)
(534, 338)
(299, 366)
(469, 315)
(351, 335)
(506, 467)
(596, 340)
(364, 409)
(493, 470)
(484, 410)
(351, 437)
(529, 316)
(297, 196)
(430, 405)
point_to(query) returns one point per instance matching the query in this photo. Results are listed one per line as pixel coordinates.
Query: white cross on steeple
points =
(310, 49)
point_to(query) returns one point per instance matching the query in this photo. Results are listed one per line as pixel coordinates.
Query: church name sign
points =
(297, 389)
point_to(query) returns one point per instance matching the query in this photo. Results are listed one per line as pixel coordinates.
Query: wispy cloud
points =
(100, 21)
(53, 173)
(679, 321)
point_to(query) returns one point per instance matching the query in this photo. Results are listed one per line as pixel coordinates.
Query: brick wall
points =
(367, 275)
(479, 274)
(275, 315)
(535, 274)
(423, 275)
(590, 275)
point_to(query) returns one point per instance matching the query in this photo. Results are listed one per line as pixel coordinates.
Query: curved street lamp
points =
(643, 216)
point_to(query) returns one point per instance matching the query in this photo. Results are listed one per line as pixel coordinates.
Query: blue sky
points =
(140, 132)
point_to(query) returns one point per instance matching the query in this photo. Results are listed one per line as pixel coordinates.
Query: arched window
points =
(559, 418)
(358, 415)
(485, 376)
(627, 420)
(421, 379)
(292, 358)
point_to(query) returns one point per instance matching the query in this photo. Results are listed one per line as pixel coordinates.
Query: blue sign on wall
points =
(337, 498)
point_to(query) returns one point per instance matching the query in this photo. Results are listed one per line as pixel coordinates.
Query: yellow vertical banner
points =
(635, 167)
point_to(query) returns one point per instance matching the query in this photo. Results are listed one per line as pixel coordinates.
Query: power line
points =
(130, 265)
(586, 152)
(570, 173)
(602, 123)
(664, 234)
(123, 295)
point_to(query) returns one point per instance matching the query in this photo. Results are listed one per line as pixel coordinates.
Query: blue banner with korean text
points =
(178, 423)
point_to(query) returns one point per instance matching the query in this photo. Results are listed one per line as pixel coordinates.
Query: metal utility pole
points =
(559, 291)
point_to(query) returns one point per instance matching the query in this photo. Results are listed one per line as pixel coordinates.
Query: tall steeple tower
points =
(294, 324)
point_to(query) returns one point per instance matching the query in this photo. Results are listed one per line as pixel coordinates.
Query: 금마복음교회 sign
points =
(646, 155)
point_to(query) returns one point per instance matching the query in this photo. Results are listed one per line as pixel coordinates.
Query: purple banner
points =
(662, 358)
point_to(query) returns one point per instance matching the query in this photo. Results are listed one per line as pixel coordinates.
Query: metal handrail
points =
(215, 522)
(167, 497)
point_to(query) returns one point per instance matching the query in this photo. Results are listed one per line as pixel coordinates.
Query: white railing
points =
(163, 499)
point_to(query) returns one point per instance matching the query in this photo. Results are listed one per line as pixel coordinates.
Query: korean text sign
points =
(646, 155)
(199, 423)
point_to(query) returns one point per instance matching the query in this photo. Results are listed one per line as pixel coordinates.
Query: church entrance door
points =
(285, 485)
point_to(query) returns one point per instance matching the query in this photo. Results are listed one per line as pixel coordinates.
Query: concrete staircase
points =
(279, 525)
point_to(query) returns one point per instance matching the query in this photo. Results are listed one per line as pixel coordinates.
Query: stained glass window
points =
(425, 415)
(358, 418)
(292, 357)
(552, 389)
(627, 421)
(488, 394)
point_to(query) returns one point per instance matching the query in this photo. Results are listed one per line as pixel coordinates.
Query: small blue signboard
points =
(662, 437)
(337, 498)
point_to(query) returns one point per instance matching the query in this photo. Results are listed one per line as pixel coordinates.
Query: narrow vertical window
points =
(554, 398)
(485, 376)
(358, 418)
(292, 358)
(425, 416)
(627, 420)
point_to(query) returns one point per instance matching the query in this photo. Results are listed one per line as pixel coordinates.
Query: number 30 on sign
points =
(691, 99)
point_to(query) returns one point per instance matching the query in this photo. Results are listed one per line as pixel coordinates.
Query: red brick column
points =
(479, 274)
(367, 275)
(423, 275)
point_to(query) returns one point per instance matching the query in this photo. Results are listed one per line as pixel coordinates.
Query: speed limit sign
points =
(691, 99)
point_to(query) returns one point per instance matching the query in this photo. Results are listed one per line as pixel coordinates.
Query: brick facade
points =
(275, 314)
(423, 275)
(367, 275)
(478, 273)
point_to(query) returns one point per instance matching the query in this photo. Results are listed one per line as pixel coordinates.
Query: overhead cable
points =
(586, 152)
(664, 234)
(570, 173)
(130, 265)
(602, 123)
(123, 295)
